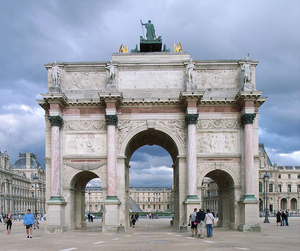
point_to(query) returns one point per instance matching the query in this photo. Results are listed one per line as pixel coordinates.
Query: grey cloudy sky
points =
(34, 33)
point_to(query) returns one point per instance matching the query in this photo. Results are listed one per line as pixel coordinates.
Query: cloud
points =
(34, 33)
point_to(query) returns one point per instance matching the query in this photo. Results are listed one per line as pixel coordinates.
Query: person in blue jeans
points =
(209, 220)
(28, 222)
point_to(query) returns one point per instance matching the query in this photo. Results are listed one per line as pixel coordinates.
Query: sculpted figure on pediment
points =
(247, 75)
(85, 125)
(55, 75)
(190, 76)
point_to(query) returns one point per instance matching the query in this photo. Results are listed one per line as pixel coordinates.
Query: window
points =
(298, 176)
(289, 188)
(279, 176)
(168, 206)
(279, 189)
(289, 175)
(271, 187)
(154, 206)
(298, 188)
(260, 187)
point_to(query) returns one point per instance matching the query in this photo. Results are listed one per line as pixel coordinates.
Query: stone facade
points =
(18, 190)
(283, 188)
(149, 199)
(209, 127)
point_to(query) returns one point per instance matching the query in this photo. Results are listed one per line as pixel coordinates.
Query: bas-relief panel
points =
(226, 142)
(218, 124)
(84, 81)
(217, 79)
(85, 144)
(150, 79)
(177, 127)
(83, 125)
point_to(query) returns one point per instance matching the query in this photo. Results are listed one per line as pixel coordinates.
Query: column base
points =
(249, 215)
(56, 215)
(111, 215)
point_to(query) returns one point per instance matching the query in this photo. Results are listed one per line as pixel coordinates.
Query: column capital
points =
(111, 119)
(248, 118)
(56, 121)
(191, 118)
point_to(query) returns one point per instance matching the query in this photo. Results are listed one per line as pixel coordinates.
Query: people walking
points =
(278, 218)
(8, 220)
(36, 219)
(283, 218)
(29, 222)
(209, 221)
(200, 217)
(133, 220)
(287, 218)
(193, 223)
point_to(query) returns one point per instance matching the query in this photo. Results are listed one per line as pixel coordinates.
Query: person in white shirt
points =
(209, 221)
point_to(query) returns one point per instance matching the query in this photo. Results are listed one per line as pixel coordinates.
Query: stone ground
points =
(153, 235)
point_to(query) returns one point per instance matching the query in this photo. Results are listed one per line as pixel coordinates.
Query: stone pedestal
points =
(249, 216)
(111, 215)
(56, 215)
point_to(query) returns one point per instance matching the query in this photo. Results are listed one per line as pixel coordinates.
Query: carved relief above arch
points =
(168, 134)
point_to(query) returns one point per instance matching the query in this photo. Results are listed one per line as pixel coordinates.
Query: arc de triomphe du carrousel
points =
(203, 112)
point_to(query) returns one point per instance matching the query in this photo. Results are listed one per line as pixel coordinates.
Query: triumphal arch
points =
(203, 112)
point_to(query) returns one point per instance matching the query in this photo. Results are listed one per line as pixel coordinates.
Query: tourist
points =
(193, 223)
(28, 222)
(283, 218)
(287, 218)
(209, 221)
(200, 223)
(36, 219)
(278, 218)
(133, 219)
(8, 220)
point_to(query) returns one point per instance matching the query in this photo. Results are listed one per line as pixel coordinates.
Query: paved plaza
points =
(153, 235)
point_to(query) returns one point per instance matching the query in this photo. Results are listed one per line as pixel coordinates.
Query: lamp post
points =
(156, 217)
(266, 181)
(89, 202)
(35, 178)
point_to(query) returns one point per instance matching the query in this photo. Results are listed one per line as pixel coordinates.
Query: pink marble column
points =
(111, 121)
(247, 120)
(56, 122)
(191, 120)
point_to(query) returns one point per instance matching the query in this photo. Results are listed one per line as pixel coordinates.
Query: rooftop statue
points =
(55, 74)
(150, 30)
(123, 49)
(247, 75)
(178, 47)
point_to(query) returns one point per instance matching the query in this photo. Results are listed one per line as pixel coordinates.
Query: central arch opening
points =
(152, 157)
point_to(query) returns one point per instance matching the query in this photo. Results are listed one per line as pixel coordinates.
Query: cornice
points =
(55, 98)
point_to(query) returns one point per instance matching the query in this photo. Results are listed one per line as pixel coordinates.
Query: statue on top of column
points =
(111, 77)
(190, 76)
(247, 75)
(55, 75)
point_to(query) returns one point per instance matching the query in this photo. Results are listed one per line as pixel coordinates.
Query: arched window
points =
(279, 188)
